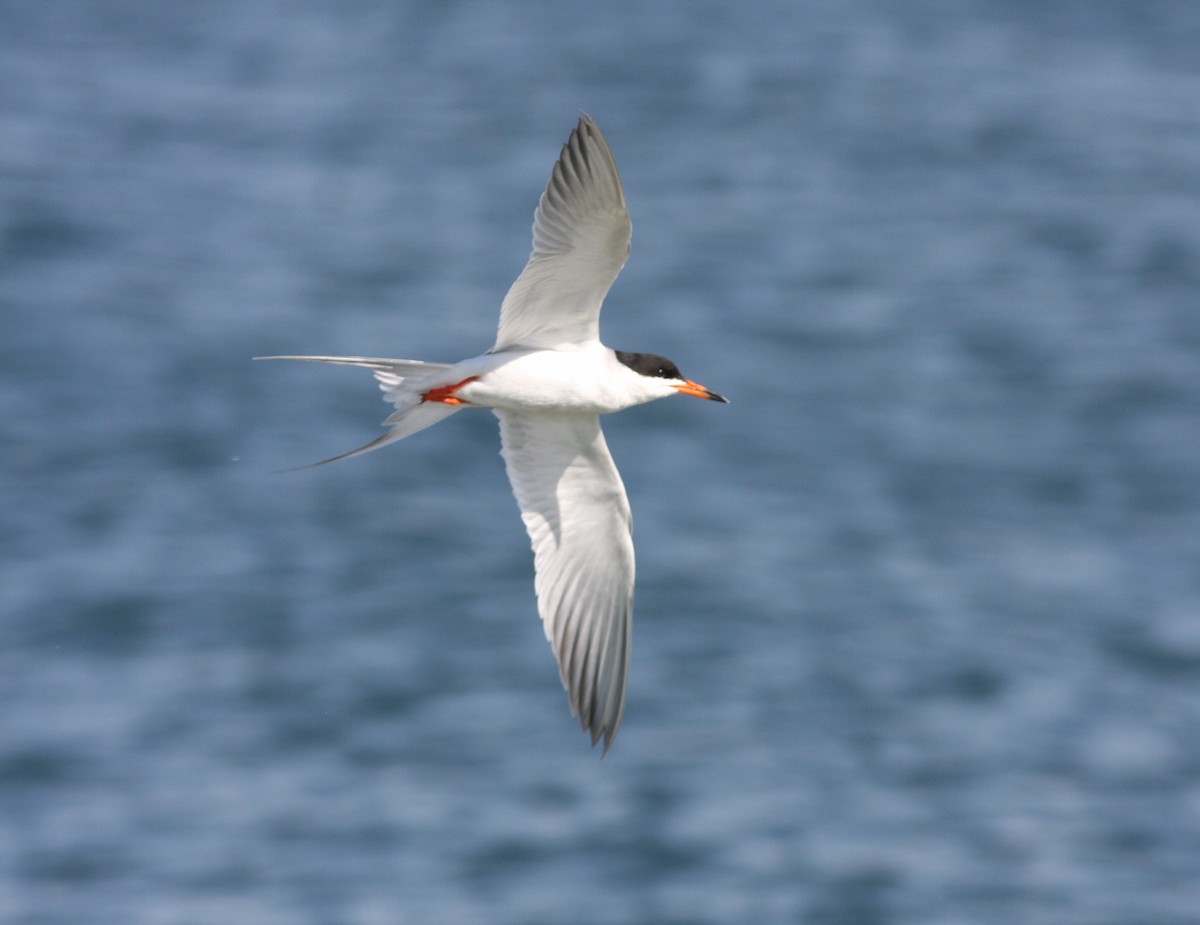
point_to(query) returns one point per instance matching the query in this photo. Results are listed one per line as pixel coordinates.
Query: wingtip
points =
(587, 123)
(608, 735)
(602, 729)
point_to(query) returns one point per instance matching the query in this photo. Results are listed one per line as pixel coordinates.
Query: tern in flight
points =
(548, 378)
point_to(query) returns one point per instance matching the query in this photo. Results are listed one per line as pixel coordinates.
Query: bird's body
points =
(548, 378)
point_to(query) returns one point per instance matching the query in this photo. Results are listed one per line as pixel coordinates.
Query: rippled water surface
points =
(918, 615)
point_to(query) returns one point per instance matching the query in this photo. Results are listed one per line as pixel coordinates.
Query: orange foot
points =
(445, 393)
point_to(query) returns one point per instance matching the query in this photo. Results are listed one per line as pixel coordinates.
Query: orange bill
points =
(696, 389)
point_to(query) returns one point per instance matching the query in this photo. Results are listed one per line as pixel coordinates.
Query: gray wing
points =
(575, 509)
(581, 234)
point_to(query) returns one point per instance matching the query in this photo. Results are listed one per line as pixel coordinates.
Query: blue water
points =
(918, 615)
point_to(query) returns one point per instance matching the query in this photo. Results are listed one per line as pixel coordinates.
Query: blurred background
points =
(918, 615)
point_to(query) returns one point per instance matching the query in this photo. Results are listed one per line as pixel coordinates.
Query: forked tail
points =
(398, 379)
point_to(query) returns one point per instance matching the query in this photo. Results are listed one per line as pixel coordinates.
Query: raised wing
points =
(574, 507)
(581, 233)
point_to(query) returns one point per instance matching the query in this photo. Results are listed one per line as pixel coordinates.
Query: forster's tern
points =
(548, 378)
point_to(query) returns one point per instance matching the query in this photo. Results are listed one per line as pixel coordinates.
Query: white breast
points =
(588, 380)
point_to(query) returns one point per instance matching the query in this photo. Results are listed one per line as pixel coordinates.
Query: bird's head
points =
(660, 377)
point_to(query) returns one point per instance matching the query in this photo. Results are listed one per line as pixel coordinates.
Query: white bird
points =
(548, 378)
